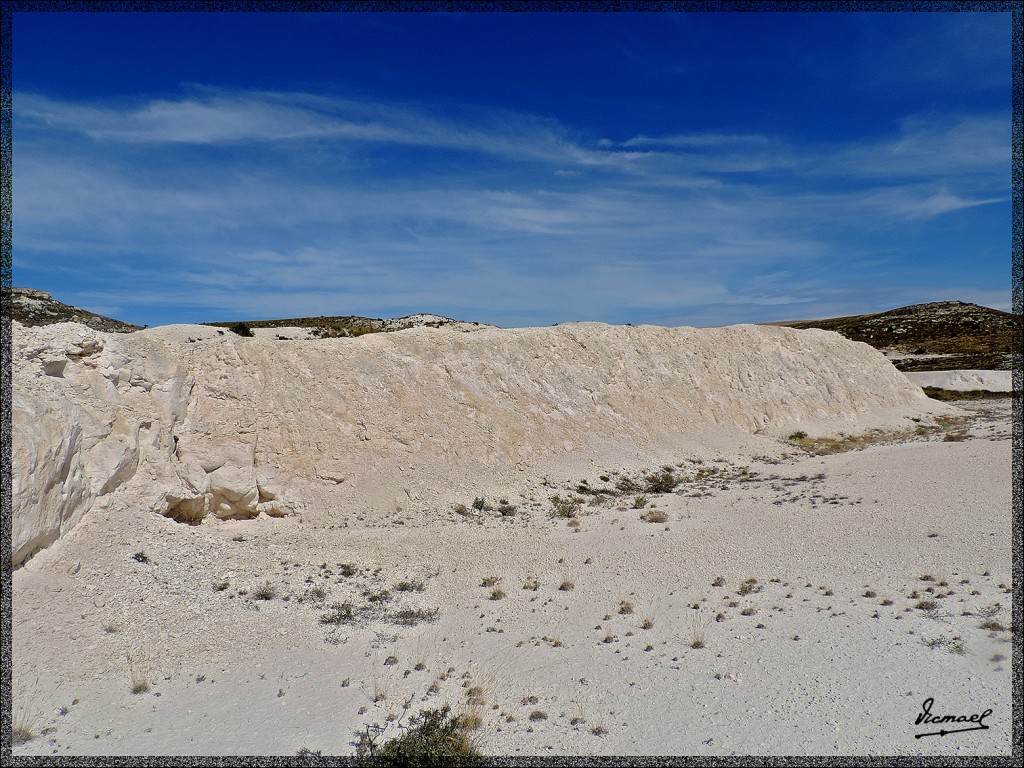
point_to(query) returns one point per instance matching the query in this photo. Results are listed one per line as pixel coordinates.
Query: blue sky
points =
(512, 168)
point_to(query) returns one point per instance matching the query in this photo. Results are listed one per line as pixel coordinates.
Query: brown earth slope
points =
(938, 336)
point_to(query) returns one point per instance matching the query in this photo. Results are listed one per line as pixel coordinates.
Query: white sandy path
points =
(851, 684)
(965, 380)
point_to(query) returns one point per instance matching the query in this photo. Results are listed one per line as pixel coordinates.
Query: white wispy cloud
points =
(258, 203)
(928, 146)
(216, 117)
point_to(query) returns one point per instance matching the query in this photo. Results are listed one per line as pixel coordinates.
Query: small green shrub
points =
(661, 482)
(567, 507)
(339, 613)
(241, 329)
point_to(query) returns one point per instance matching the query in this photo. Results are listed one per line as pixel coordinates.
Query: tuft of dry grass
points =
(698, 625)
(138, 671)
(21, 733)
(992, 625)
(654, 516)
(567, 586)
(23, 715)
(471, 721)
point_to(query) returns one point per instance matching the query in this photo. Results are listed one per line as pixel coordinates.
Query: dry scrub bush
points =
(654, 516)
(434, 737)
(265, 591)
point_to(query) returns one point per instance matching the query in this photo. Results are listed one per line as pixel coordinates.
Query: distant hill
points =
(325, 327)
(939, 336)
(31, 307)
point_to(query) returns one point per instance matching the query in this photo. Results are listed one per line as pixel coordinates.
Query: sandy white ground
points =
(832, 669)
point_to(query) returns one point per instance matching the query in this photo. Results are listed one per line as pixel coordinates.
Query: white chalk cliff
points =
(192, 421)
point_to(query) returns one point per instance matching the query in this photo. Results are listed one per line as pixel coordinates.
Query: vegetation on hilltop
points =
(31, 307)
(966, 336)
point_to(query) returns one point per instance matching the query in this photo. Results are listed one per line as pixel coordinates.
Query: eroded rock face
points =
(190, 421)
